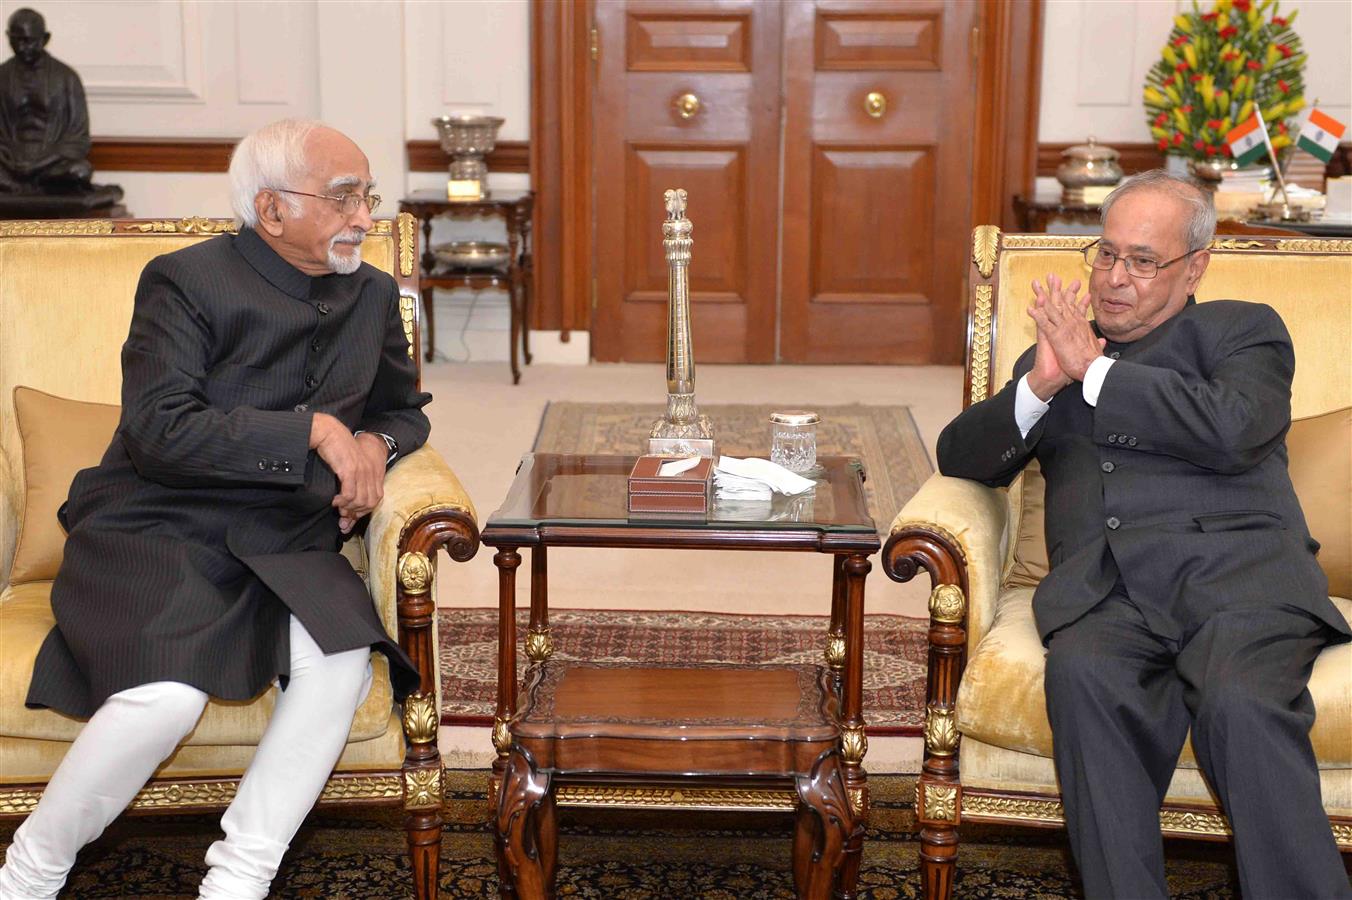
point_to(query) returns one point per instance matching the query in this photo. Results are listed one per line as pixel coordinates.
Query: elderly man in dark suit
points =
(1183, 591)
(266, 387)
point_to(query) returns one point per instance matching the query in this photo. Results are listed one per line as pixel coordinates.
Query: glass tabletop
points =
(565, 489)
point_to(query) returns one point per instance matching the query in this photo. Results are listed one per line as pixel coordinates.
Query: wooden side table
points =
(681, 735)
(517, 278)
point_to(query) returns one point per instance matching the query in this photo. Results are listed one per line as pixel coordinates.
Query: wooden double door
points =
(827, 149)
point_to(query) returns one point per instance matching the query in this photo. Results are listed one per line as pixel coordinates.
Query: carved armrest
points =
(954, 529)
(424, 508)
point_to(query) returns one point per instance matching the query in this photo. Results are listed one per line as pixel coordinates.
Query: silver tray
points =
(472, 254)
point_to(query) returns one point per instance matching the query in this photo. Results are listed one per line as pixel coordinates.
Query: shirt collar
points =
(280, 273)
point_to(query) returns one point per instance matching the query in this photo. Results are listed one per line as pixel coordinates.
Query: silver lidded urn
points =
(682, 431)
(467, 139)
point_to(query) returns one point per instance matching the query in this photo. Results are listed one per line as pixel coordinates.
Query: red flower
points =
(1211, 151)
(1213, 124)
(1279, 21)
(1186, 109)
(1199, 145)
(1168, 82)
(1180, 40)
(1281, 126)
(1178, 139)
(1284, 50)
(1181, 67)
(1163, 144)
(1283, 86)
(1213, 16)
(1161, 119)
(1197, 76)
(1230, 55)
(1228, 32)
(1243, 5)
(1254, 64)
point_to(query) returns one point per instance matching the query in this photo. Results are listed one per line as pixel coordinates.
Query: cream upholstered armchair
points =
(65, 303)
(988, 745)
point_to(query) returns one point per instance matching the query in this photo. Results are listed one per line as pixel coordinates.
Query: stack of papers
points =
(756, 479)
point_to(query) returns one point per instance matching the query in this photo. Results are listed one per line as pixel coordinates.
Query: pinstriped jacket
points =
(1176, 482)
(208, 521)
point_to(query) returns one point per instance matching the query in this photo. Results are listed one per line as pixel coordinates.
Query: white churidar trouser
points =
(136, 729)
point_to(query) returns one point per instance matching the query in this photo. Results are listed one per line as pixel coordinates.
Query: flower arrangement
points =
(1218, 67)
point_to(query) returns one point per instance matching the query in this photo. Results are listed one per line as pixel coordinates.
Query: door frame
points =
(1006, 46)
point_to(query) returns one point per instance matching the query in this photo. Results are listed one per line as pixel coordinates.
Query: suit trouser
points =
(135, 730)
(1121, 700)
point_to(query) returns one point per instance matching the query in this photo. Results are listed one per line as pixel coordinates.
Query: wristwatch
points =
(390, 443)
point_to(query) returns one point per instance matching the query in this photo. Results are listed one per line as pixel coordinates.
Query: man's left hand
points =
(1061, 320)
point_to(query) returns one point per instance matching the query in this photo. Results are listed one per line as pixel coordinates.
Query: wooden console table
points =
(517, 277)
(688, 736)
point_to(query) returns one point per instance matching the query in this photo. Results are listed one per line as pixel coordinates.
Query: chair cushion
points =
(1001, 699)
(60, 437)
(26, 618)
(1320, 449)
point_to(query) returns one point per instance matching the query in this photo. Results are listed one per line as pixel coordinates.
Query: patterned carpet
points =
(884, 437)
(618, 855)
(894, 653)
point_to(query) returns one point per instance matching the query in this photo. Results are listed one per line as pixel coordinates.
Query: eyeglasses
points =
(1137, 266)
(348, 203)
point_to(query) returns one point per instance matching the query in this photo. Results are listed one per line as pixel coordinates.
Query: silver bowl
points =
(472, 254)
(462, 135)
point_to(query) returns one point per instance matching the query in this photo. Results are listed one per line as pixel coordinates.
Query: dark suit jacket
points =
(1176, 481)
(208, 520)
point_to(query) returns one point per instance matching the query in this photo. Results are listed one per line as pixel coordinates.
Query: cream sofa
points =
(66, 292)
(987, 738)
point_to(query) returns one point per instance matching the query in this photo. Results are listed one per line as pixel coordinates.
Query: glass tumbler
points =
(793, 439)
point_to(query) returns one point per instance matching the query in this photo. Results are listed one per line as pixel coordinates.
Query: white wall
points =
(1095, 55)
(379, 70)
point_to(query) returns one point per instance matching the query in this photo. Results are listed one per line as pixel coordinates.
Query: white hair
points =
(271, 157)
(1200, 227)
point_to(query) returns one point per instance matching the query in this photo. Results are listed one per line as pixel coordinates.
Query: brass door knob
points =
(687, 105)
(875, 104)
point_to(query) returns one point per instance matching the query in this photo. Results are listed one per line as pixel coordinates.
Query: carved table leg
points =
(826, 827)
(539, 645)
(835, 635)
(515, 325)
(507, 560)
(853, 743)
(526, 830)
(429, 262)
(429, 323)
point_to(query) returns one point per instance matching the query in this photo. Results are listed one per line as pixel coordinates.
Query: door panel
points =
(873, 253)
(725, 153)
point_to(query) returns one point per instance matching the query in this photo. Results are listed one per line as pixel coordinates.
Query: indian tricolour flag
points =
(1320, 134)
(1246, 140)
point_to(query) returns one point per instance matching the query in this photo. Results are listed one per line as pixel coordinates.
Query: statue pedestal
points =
(102, 202)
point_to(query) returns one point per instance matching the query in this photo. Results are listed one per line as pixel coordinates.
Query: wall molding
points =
(507, 156)
(1140, 157)
(133, 154)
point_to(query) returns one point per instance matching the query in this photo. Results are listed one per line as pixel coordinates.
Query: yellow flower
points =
(1281, 141)
(1190, 54)
(1172, 93)
(1184, 24)
(1154, 97)
(1182, 121)
(1169, 55)
(1245, 111)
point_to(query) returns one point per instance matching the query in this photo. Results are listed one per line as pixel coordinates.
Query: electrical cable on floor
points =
(469, 313)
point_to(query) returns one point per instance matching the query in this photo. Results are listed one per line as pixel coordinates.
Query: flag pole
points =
(1276, 166)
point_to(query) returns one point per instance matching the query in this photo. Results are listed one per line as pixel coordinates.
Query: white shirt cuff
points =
(1027, 407)
(1093, 379)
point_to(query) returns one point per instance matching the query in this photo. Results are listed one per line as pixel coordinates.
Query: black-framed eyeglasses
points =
(1137, 266)
(348, 203)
